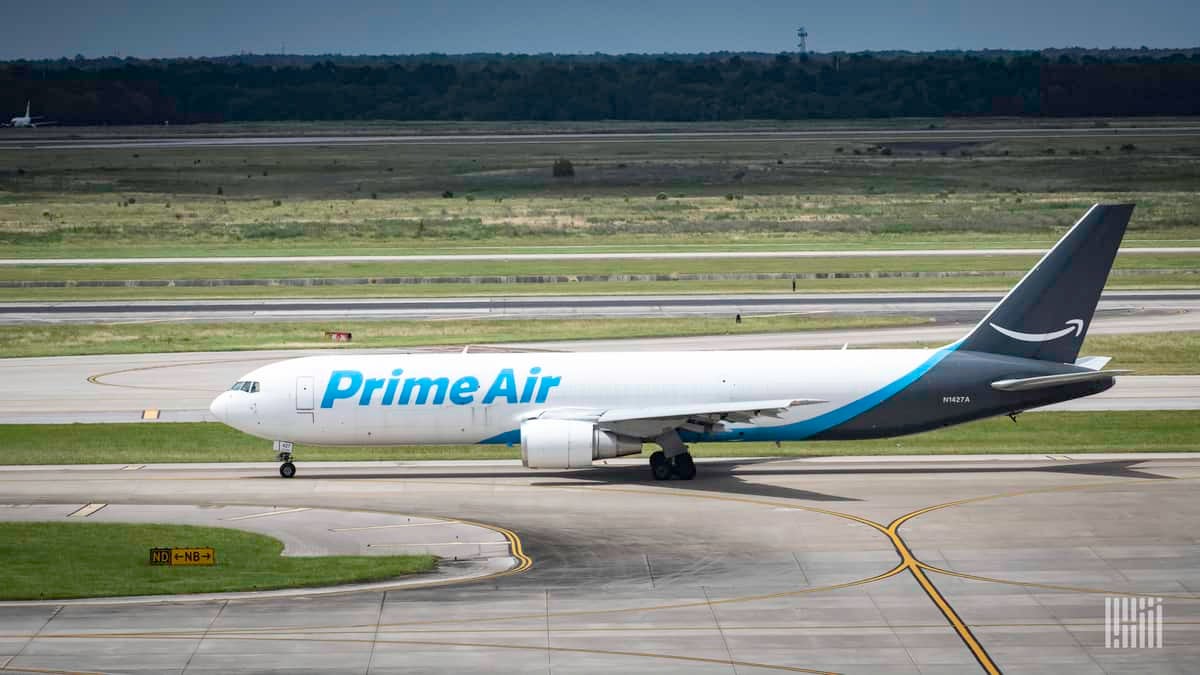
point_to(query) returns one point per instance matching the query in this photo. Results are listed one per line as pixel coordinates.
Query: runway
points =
(1182, 304)
(820, 135)
(180, 386)
(925, 566)
(562, 257)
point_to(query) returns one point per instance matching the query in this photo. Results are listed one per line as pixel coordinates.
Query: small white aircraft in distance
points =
(568, 409)
(27, 120)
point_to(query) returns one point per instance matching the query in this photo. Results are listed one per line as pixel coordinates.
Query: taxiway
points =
(870, 566)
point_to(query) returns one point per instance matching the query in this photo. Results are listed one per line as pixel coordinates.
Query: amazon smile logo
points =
(1073, 326)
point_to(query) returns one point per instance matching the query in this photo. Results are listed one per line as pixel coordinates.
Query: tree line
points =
(676, 88)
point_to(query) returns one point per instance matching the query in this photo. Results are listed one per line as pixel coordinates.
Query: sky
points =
(168, 28)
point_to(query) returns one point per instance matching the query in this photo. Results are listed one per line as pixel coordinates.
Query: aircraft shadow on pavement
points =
(720, 476)
(1111, 468)
(731, 476)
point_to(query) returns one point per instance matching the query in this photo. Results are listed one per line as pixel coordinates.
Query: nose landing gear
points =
(283, 453)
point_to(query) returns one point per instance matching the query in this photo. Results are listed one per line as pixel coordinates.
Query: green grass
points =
(1170, 280)
(817, 240)
(83, 225)
(1149, 353)
(837, 191)
(1037, 432)
(1131, 271)
(566, 267)
(68, 339)
(56, 560)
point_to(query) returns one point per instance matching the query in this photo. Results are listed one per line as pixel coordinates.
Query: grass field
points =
(568, 267)
(727, 193)
(641, 191)
(55, 560)
(1186, 279)
(79, 224)
(463, 278)
(137, 338)
(1036, 432)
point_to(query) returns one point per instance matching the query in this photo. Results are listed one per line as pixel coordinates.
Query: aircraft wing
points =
(732, 411)
(647, 422)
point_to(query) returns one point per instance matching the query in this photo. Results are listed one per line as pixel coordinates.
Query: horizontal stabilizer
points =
(1047, 381)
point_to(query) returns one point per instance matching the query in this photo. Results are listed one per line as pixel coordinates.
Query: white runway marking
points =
(86, 510)
(389, 527)
(268, 514)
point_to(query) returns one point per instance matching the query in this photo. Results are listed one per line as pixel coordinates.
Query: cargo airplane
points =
(566, 410)
(27, 120)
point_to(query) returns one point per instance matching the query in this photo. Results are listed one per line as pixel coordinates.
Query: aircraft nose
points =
(220, 406)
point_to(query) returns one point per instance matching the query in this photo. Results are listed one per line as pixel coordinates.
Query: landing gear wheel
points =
(659, 467)
(683, 467)
(287, 469)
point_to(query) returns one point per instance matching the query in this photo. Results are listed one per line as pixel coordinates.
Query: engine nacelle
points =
(570, 444)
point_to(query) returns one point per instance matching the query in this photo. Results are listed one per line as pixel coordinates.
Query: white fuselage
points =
(483, 398)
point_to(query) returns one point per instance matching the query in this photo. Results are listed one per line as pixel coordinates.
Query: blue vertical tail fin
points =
(1047, 314)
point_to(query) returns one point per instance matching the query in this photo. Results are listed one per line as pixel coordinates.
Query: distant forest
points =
(676, 88)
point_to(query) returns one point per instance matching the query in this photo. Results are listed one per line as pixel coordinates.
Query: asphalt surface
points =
(912, 566)
(180, 386)
(561, 257)
(1185, 304)
(31, 142)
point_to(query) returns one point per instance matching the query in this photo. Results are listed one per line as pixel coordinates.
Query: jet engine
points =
(571, 444)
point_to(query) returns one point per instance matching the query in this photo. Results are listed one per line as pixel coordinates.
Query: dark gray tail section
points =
(1047, 314)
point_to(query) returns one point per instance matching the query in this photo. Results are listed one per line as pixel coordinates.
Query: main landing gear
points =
(283, 453)
(673, 461)
(680, 466)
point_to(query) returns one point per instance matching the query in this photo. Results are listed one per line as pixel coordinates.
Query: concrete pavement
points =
(754, 567)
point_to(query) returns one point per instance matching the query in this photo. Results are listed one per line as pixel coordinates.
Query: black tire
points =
(660, 468)
(287, 469)
(684, 467)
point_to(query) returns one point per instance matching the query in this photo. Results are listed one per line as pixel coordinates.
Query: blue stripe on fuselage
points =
(797, 430)
(510, 437)
(813, 426)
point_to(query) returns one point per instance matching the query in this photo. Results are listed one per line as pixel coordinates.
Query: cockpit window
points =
(247, 386)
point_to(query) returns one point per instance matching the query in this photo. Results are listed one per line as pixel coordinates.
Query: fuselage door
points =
(304, 393)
